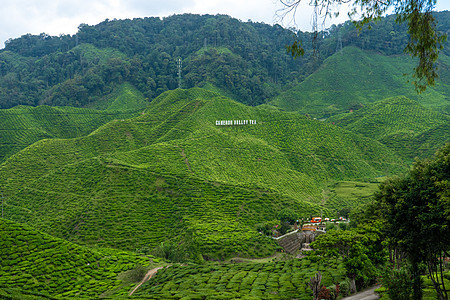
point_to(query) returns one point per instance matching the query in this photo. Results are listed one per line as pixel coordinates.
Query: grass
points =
(344, 194)
(429, 293)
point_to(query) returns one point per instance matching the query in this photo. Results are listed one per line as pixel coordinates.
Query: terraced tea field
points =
(134, 183)
(33, 262)
(400, 123)
(274, 280)
(22, 126)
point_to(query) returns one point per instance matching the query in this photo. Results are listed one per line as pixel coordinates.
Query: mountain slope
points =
(22, 126)
(172, 170)
(34, 261)
(349, 80)
(401, 124)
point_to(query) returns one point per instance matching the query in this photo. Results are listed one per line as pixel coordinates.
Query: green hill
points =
(136, 182)
(37, 263)
(351, 79)
(401, 124)
(22, 126)
(124, 97)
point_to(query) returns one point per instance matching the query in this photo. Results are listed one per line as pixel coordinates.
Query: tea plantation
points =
(400, 123)
(133, 183)
(34, 264)
(354, 78)
(274, 280)
(22, 126)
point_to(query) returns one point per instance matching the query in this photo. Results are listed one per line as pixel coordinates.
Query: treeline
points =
(248, 60)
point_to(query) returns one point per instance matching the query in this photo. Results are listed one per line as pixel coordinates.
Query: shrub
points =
(399, 283)
(324, 293)
(344, 287)
(287, 215)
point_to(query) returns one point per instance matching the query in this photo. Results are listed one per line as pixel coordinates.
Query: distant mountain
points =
(246, 60)
(173, 171)
(353, 78)
(401, 124)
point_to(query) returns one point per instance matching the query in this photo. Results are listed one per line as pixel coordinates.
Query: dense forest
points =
(246, 60)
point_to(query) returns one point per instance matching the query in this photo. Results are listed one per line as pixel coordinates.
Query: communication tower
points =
(339, 44)
(179, 65)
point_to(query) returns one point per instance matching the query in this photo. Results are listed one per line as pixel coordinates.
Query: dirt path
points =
(368, 294)
(146, 278)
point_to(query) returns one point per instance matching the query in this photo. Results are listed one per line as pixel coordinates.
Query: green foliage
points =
(360, 250)
(273, 280)
(287, 215)
(246, 60)
(399, 283)
(266, 227)
(171, 252)
(173, 168)
(38, 265)
(425, 40)
(134, 275)
(401, 124)
(355, 78)
(343, 226)
(342, 196)
(415, 208)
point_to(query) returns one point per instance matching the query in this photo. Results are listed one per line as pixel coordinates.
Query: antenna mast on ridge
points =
(315, 28)
(179, 65)
(339, 43)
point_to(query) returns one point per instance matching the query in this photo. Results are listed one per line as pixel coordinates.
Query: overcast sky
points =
(54, 17)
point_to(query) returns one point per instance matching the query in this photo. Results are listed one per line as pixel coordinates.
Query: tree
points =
(353, 248)
(425, 41)
(314, 284)
(416, 210)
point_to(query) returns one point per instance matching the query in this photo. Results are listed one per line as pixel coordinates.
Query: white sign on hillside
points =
(235, 122)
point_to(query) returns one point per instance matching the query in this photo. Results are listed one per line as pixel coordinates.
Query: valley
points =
(109, 171)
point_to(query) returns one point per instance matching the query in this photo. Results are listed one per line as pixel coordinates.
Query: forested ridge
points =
(246, 60)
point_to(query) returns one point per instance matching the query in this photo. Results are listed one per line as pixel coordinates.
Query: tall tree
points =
(417, 214)
(353, 248)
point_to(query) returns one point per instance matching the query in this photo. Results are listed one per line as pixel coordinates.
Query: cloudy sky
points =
(54, 17)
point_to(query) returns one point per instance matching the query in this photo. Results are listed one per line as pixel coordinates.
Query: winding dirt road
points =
(147, 277)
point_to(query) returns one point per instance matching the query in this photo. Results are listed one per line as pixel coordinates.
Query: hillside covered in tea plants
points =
(353, 78)
(402, 124)
(36, 265)
(172, 172)
(22, 126)
(110, 166)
